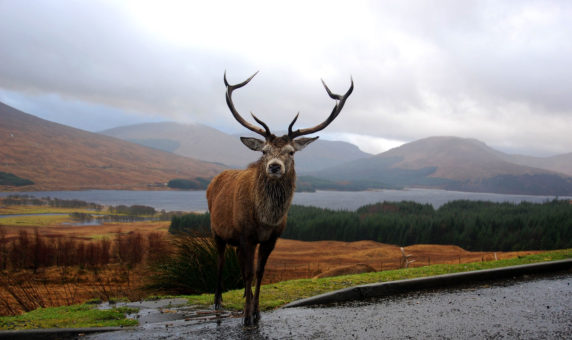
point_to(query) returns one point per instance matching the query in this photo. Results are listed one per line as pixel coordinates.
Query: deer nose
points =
(274, 168)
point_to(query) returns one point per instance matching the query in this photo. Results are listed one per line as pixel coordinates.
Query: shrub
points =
(198, 183)
(7, 178)
(191, 268)
(196, 223)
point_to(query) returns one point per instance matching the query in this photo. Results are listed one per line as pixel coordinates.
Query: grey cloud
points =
(420, 68)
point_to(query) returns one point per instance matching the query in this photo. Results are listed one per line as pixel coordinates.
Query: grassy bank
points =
(281, 293)
(272, 295)
(85, 315)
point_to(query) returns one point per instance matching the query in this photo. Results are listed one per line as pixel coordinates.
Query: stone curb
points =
(376, 290)
(57, 333)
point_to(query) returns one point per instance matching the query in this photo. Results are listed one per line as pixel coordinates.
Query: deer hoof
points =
(248, 320)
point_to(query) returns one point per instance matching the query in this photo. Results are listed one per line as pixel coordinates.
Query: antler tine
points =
(261, 123)
(292, 124)
(341, 100)
(229, 89)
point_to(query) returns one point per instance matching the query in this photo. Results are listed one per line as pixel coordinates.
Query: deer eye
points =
(291, 153)
(264, 152)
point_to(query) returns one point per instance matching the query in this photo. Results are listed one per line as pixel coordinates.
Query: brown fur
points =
(249, 207)
(241, 201)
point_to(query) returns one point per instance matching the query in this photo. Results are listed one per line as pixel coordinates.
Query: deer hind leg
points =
(263, 253)
(246, 257)
(220, 247)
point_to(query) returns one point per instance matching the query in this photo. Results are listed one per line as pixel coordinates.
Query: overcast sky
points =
(498, 71)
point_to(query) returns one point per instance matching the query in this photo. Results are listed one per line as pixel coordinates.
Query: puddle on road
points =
(537, 307)
(152, 312)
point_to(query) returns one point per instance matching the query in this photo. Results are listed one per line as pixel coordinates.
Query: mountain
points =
(208, 144)
(452, 163)
(558, 163)
(55, 156)
(189, 140)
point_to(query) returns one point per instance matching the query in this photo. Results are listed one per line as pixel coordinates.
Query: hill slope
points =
(558, 163)
(208, 144)
(55, 156)
(190, 140)
(454, 164)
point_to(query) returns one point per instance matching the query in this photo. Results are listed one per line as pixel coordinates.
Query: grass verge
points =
(78, 316)
(272, 295)
(278, 294)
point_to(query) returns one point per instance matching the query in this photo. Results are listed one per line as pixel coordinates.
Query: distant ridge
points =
(558, 163)
(205, 143)
(453, 163)
(37, 154)
(58, 157)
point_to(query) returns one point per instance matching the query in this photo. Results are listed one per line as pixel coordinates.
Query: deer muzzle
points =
(275, 168)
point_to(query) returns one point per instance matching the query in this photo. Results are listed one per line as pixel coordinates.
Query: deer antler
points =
(229, 88)
(341, 100)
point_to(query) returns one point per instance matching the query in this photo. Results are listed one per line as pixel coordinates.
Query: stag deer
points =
(249, 207)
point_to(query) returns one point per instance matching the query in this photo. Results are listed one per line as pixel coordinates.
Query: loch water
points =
(337, 200)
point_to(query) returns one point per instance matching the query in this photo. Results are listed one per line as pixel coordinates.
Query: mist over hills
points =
(209, 144)
(58, 157)
(454, 163)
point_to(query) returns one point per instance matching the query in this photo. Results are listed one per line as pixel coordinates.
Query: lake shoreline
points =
(195, 200)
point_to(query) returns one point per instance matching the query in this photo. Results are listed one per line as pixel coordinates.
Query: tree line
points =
(303, 184)
(473, 225)
(7, 178)
(50, 202)
(132, 210)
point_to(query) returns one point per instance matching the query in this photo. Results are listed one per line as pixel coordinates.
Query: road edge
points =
(57, 333)
(382, 289)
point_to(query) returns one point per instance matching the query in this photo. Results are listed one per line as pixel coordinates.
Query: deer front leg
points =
(246, 257)
(220, 247)
(263, 253)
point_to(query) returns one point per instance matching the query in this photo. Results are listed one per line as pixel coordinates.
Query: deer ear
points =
(252, 143)
(301, 143)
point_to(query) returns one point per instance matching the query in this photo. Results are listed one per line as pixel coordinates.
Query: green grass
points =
(281, 293)
(272, 295)
(34, 220)
(69, 316)
(40, 209)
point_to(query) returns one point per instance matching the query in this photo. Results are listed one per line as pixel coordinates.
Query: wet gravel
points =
(538, 307)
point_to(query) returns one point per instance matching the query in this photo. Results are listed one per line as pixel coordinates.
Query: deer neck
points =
(273, 196)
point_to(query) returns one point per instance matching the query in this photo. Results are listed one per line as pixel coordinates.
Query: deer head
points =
(278, 152)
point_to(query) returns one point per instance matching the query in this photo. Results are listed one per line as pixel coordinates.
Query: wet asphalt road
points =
(533, 308)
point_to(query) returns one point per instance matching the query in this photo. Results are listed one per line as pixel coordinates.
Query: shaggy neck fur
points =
(273, 196)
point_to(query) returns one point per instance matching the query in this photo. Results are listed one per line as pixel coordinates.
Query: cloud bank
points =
(497, 71)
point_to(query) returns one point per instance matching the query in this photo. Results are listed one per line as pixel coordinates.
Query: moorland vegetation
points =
(472, 225)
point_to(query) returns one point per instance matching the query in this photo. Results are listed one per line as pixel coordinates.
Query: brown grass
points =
(58, 157)
(291, 259)
(24, 291)
(91, 232)
(298, 259)
(359, 268)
